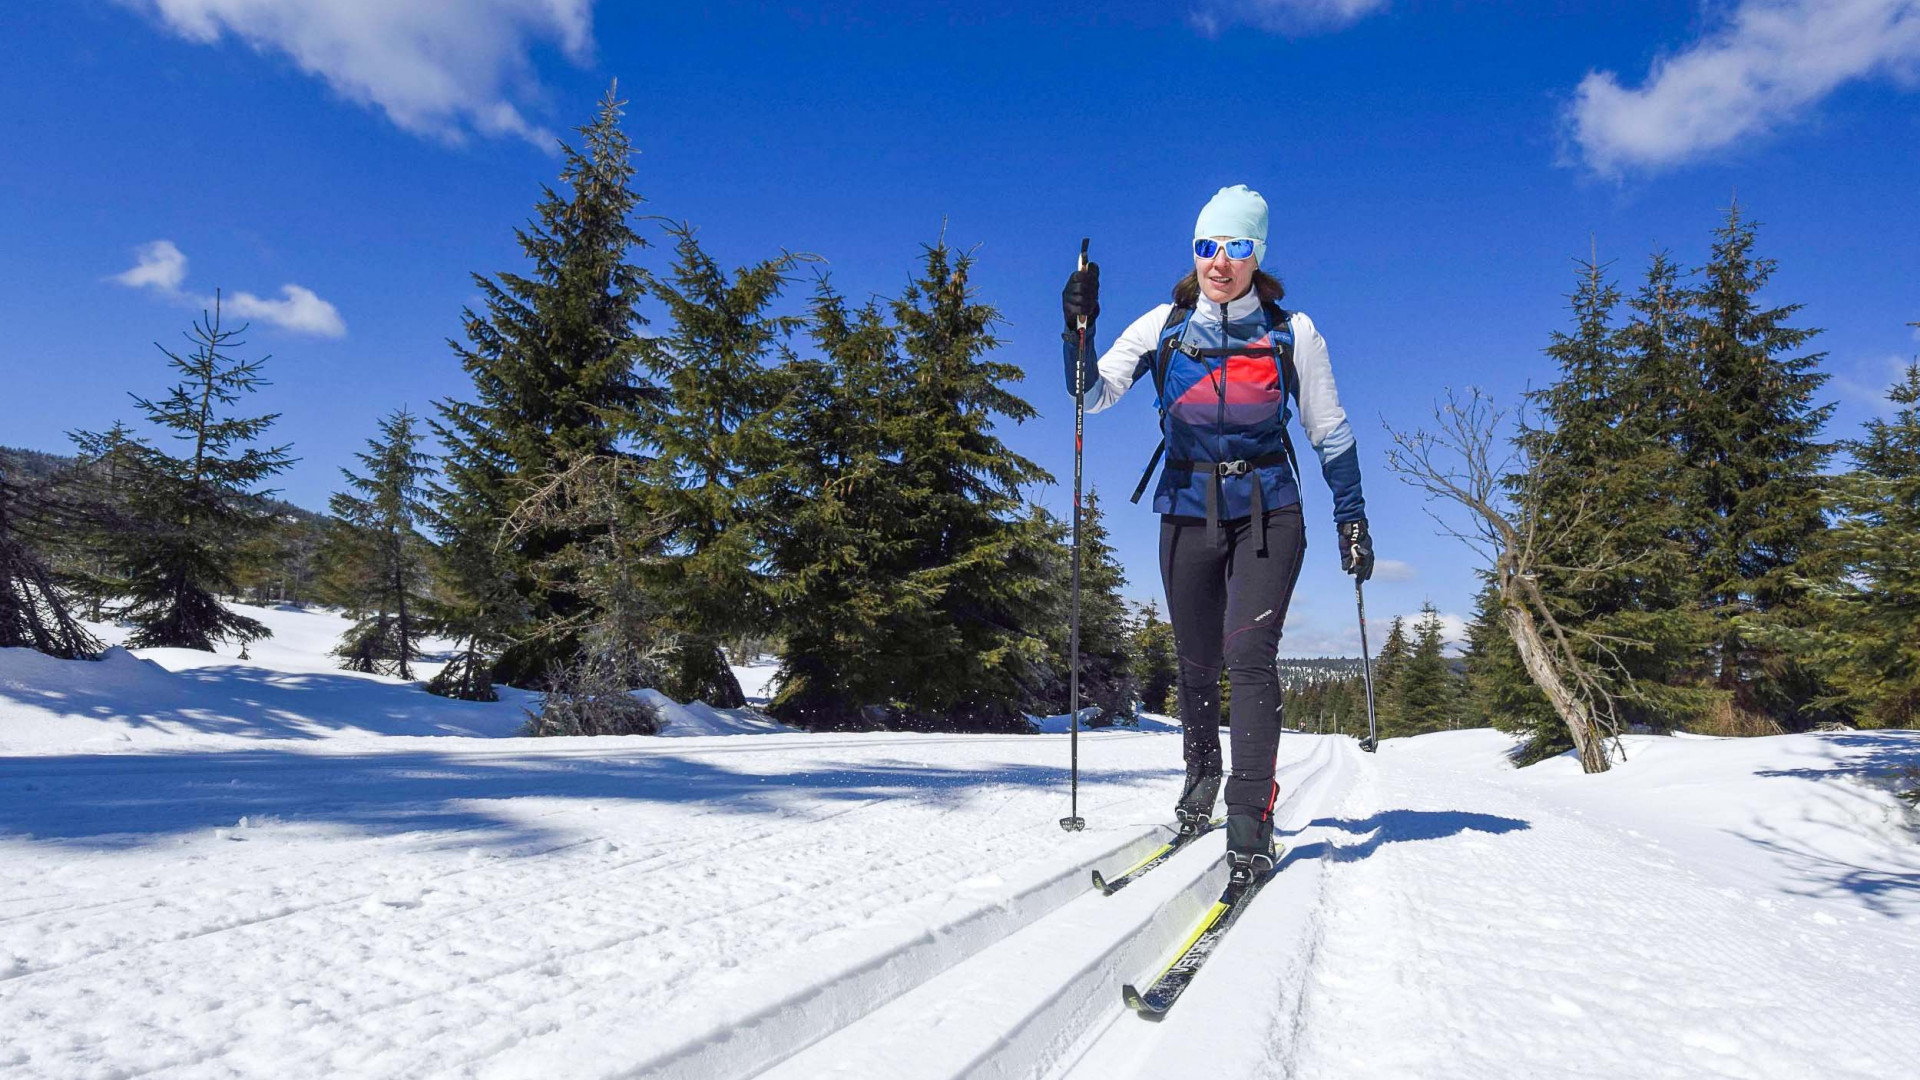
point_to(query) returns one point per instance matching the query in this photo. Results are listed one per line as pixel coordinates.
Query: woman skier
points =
(1225, 357)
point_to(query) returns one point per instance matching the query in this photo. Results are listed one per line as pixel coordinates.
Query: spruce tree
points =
(1498, 692)
(716, 455)
(551, 354)
(188, 518)
(1610, 495)
(1388, 668)
(838, 550)
(1425, 689)
(1156, 665)
(1750, 437)
(977, 656)
(1106, 639)
(98, 485)
(381, 558)
(1864, 611)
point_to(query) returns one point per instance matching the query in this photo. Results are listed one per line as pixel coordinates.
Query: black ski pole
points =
(1073, 822)
(1372, 741)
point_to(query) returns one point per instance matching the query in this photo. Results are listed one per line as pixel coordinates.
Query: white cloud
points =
(158, 265)
(1766, 64)
(161, 268)
(298, 309)
(1393, 570)
(1453, 630)
(1297, 17)
(435, 68)
(1868, 382)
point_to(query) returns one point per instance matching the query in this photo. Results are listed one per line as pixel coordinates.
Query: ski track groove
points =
(1048, 1035)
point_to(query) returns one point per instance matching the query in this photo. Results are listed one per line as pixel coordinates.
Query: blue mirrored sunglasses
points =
(1238, 248)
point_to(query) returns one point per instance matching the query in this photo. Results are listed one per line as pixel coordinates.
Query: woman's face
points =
(1223, 279)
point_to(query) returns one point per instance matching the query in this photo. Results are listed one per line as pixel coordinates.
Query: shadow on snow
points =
(1398, 827)
(123, 800)
(1886, 760)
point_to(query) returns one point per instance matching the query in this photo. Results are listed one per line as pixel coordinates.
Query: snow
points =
(698, 718)
(218, 868)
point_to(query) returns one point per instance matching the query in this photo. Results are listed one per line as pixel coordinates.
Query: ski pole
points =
(1073, 822)
(1372, 741)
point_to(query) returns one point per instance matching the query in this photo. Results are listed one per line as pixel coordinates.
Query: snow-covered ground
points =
(218, 868)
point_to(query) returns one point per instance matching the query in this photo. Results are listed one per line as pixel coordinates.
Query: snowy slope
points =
(277, 869)
(1742, 908)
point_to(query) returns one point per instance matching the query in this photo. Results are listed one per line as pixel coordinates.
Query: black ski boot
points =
(1195, 808)
(1250, 851)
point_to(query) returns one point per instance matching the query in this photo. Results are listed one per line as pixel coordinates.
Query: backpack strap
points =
(1162, 356)
(1280, 321)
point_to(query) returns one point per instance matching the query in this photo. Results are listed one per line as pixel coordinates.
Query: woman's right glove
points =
(1356, 549)
(1081, 299)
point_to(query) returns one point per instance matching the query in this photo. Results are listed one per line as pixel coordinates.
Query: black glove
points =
(1356, 549)
(1081, 297)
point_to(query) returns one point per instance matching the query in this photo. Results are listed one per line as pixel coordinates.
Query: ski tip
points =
(1100, 882)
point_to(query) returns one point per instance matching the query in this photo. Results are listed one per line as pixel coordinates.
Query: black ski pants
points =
(1227, 600)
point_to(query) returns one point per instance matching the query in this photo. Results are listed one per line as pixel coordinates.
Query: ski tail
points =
(1173, 980)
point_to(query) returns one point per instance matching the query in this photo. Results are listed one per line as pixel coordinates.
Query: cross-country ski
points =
(1157, 857)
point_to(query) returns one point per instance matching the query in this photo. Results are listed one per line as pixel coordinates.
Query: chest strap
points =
(1220, 471)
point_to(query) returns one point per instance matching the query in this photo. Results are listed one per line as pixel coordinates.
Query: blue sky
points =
(1433, 170)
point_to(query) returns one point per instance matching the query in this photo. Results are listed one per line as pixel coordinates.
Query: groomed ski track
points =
(711, 907)
(1045, 1001)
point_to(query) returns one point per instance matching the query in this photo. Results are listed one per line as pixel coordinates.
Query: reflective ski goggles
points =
(1240, 247)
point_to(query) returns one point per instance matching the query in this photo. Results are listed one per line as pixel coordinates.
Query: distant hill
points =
(24, 464)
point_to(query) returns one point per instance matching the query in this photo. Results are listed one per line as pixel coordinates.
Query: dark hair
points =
(1186, 294)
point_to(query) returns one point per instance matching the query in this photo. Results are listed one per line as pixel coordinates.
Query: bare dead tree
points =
(1459, 462)
(623, 643)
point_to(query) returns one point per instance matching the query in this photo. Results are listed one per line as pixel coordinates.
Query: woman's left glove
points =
(1356, 549)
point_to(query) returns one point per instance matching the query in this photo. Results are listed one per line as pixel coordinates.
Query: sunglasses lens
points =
(1207, 247)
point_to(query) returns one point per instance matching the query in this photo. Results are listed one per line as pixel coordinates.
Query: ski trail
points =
(1027, 1003)
(1258, 967)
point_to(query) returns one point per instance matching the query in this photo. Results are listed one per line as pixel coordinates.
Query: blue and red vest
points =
(1222, 390)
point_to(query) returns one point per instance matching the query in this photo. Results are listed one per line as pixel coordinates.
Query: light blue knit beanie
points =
(1235, 211)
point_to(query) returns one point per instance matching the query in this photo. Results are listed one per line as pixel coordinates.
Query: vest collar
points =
(1240, 309)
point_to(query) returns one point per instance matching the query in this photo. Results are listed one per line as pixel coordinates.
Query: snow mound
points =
(1058, 724)
(179, 699)
(699, 718)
